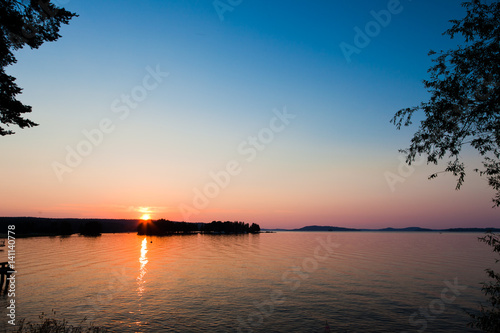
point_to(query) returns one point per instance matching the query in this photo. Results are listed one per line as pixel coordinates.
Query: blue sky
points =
(225, 78)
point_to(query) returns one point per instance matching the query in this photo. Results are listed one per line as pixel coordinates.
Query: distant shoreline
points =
(47, 227)
(317, 228)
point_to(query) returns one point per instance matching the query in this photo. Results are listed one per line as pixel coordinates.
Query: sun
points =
(145, 217)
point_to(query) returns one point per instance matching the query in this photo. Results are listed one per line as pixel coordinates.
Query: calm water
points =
(282, 282)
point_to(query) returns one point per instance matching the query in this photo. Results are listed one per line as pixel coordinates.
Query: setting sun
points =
(146, 217)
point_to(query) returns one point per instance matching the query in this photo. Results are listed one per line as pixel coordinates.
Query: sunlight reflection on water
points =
(142, 270)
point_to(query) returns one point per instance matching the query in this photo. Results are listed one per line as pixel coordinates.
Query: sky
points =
(276, 113)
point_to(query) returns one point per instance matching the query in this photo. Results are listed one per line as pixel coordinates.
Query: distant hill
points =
(408, 229)
(471, 230)
(404, 229)
(324, 228)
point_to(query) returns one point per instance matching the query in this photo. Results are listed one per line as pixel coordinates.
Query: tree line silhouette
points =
(219, 227)
(35, 226)
(166, 227)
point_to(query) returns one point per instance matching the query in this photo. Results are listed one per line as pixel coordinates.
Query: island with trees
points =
(164, 227)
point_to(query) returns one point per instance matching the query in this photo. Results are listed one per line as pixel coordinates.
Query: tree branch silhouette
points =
(23, 23)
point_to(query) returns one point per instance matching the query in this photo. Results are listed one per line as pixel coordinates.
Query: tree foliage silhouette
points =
(464, 110)
(91, 228)
(254, 228)
(28, 22)
(488, 319)
(464, 105)
(165, 227)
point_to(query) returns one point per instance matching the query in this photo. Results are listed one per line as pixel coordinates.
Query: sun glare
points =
(146, 217)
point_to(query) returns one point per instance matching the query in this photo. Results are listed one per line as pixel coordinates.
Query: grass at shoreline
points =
(53, 325)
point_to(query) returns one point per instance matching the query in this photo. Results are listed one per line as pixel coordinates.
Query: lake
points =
(276, 282)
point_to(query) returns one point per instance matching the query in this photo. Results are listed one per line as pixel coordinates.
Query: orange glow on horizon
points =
(146, 217)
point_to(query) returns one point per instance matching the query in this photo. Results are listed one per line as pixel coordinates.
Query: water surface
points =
(281, 282)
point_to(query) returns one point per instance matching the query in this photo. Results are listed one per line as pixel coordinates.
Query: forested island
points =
(165, 227)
